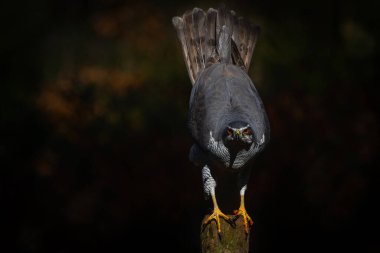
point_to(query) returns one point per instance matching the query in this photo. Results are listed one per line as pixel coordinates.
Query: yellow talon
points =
(247, 219)
(243, 212)
(215, 216)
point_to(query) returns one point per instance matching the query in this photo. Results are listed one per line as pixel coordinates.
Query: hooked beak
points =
(237, 134)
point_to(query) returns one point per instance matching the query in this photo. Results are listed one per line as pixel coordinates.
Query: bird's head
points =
(238, 135)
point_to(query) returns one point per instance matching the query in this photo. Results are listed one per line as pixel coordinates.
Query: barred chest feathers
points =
(223, 154)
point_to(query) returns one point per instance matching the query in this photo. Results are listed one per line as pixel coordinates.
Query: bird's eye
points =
(247, 131)
(229, 131)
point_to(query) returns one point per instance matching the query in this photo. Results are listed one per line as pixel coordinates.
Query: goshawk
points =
(227, 119)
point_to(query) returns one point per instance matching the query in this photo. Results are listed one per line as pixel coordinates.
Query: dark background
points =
(94, 145)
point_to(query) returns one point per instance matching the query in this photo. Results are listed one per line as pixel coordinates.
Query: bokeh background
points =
(94, 145)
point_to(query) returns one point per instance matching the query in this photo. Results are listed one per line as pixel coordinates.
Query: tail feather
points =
(237, 55)
(211, 54)
(179, 25)
(215, 36)
(191, 43)
(245, 38)
(199, 18)
(224, 30)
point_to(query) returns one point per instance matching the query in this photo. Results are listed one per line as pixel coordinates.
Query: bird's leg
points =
(209, 185)
(217, 213)
(242, 211)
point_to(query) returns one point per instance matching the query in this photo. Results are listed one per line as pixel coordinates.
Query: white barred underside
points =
(219, 150)
(209, 182)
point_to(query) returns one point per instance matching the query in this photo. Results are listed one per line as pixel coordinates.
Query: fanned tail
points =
(245, 36)
(216, 36)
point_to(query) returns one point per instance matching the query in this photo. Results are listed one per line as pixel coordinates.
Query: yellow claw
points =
(215, 216)
(247, 219)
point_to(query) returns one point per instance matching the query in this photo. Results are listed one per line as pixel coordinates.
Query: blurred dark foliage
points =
(94, 143)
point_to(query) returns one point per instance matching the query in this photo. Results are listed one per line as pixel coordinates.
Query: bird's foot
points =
(247, 219)
(216, 216)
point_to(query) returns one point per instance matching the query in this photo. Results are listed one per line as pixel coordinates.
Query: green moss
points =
(232, 239)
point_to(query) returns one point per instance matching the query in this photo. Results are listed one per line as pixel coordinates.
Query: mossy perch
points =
(232, 240)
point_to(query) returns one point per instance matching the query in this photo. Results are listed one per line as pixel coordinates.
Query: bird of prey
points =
(227, 119)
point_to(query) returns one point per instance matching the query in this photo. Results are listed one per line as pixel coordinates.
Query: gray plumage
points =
(218, 47)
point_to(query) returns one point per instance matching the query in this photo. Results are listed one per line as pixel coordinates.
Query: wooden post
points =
(232, 240)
